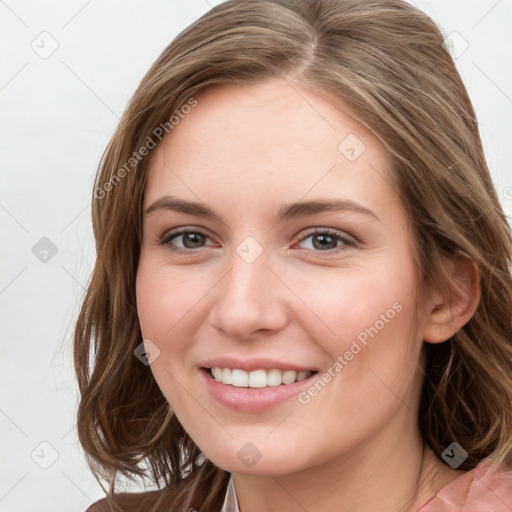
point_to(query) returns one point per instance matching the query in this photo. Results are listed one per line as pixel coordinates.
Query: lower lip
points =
(252, 399)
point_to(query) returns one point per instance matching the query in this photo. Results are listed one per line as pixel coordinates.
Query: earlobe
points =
(450, 313)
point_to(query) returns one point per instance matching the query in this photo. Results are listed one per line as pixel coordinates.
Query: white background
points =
(57, 116)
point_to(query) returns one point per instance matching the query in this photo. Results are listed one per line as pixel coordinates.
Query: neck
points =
(393, 473)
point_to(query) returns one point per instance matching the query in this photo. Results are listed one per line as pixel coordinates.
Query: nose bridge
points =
(248, 297)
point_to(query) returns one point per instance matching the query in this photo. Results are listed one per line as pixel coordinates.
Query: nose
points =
(249, 298)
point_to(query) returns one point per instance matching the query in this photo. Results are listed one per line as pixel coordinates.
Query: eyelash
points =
(347, 242)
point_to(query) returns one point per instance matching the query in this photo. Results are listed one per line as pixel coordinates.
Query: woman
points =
(301, 299)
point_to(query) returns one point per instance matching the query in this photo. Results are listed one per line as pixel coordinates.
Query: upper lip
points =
(250, 365)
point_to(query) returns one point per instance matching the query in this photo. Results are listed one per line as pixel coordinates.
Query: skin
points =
(244, 150)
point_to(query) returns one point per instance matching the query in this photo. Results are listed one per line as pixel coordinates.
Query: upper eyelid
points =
(181, 231)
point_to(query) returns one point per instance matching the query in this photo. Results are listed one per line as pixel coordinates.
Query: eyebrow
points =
(287, 211)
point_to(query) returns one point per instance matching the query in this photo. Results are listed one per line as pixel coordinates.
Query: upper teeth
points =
(257, 378)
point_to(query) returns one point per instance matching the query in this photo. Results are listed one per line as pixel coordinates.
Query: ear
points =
(447, 314)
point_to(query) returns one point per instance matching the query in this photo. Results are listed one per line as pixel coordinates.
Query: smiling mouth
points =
(257, 378)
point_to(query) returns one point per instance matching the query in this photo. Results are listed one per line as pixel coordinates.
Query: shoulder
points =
(98, 506)
(488, 485)
(169, 497)
(134, 502)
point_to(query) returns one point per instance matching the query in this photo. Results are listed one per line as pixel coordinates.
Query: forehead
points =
(266, 141)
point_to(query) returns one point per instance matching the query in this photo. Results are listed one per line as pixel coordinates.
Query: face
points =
(276, 251)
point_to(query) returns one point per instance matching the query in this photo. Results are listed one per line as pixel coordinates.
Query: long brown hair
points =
(385, 59)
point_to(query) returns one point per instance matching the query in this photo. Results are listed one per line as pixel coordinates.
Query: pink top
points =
(482, 489)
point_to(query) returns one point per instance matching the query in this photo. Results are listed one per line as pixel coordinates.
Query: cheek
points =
(372, 357)
(375, 352)
(356, 304)
(165, 298)
(165, 306)
(371, 342)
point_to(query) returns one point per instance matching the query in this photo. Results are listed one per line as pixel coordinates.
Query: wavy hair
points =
(387, 61)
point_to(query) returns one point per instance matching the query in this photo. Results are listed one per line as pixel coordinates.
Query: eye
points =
(327, 240)
(185, 240)
(322, 240)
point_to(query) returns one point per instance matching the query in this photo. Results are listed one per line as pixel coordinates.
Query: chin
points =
(255, 458)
